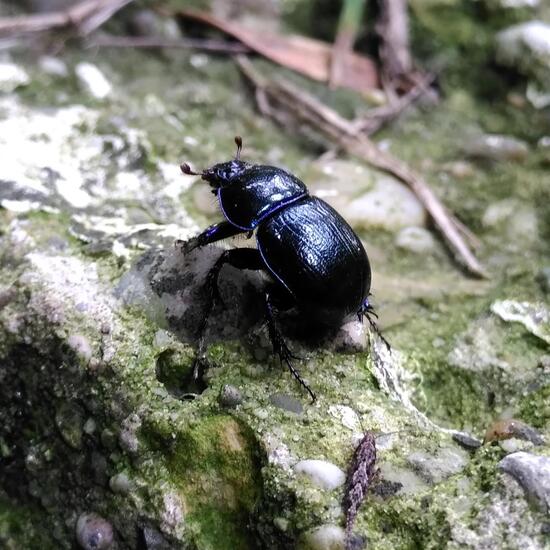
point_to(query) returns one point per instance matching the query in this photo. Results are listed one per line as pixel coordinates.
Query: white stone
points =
(499, 212)
(496, 147)
(415, 239)
(12, 76)
(532, 35)
(346, 415)
(93, 81)
(518, 4)
(527, 47)
(388, 205)
(325, 537)
(532, 472)
(410, 482)
(324, 474)
(53, 66)
(436, 468)
(520, 220)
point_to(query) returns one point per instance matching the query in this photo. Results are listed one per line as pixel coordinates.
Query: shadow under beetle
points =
(314, 260)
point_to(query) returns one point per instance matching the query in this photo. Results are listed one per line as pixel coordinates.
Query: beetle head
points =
(221, 175)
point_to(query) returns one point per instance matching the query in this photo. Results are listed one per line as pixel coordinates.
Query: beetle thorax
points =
(256, 193)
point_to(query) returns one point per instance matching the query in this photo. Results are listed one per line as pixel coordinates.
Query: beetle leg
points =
(216, 232)
(241, 258)
(280, 347)
(366, 310)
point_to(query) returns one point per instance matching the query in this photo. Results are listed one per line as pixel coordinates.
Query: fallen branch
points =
(374, 119)
(219, 46)
(282, 97)
(84, 17)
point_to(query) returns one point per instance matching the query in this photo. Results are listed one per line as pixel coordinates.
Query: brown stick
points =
(85, 17)
(374, 119)
(220, 46)
(338, 129)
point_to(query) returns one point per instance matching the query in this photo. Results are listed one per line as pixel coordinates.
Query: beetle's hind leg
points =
(366, 310)
(241, 258)
(280, 347)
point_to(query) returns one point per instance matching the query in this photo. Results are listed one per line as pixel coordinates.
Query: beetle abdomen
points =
(311, 250)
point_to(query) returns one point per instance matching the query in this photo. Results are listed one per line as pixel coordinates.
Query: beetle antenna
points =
(186, 169)
(239, 142)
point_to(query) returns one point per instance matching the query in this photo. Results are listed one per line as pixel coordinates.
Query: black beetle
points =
(314, 260)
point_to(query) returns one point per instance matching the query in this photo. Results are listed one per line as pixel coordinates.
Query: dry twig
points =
(85, 17)
(374, 119)
(219, 46)
(280, 97)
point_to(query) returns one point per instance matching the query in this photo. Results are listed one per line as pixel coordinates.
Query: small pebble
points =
(497, 147)
(281, 523)
(415, 239)
(11, 77)
(435, 468)
(93, 532)
(389, 205)
(532, 472)
(53, 66)
(93, 81)
(89, 426)
(229, 396)
(467, 441)
(120, 483)
(460, 169)
(514, 444)
(325, 537)
(324, 474)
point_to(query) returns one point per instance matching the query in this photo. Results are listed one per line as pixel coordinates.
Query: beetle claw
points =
(367, 311)
(187, 246)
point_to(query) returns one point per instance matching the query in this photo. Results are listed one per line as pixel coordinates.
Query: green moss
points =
(534, 407)
(216, 465)
(17, 527)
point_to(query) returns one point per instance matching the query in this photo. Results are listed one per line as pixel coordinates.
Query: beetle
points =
(313, 259)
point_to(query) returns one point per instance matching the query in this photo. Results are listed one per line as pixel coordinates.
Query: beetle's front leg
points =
(216, 232)
(241, 258)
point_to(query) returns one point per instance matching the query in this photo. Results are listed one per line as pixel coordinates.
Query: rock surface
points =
(107, 438)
